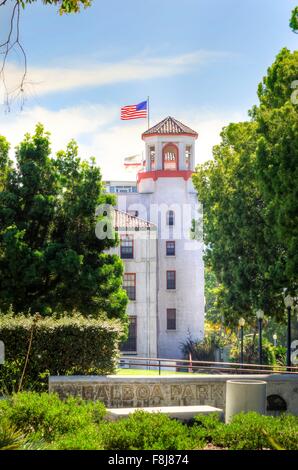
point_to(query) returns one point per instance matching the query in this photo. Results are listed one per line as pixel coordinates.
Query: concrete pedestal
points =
(244, 396)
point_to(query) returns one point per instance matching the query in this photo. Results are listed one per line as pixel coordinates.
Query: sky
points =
(199, 61)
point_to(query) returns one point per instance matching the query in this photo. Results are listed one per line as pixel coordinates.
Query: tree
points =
(5, 163)
(249, 194)
(294, 20)
(50, 258)
(12, 40)
(234, 226)
(277, 168)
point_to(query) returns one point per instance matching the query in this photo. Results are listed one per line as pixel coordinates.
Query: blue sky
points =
(198, 60)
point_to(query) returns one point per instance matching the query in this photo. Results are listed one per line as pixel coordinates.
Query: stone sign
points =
(145, 394)
(131, 391)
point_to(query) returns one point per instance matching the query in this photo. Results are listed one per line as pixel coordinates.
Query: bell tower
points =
(170, 153)
(169, 300)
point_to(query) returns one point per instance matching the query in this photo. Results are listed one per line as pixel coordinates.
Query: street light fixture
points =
(241, 324)
(289, 302)
(274, 339)
(260, 317)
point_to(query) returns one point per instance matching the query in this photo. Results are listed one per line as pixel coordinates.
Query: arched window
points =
(187, 157)
(152, 158)
(170, 157)
(170, 218)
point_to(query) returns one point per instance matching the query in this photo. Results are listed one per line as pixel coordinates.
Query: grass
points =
(150, 372)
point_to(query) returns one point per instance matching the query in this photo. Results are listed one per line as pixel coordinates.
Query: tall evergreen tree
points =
(234, 225)
(250, 199)
(50, 258)
(277, 160)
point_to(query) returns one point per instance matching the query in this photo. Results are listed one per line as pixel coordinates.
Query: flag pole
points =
(148, 111)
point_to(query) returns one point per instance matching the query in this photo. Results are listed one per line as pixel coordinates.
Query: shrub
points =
(147, 431)
(203, 350)
(251, 353)
(280, 355)
(204, 426)
(46, 416)
(60, 346)
(251, 431)
(10, 437)
(87, 438)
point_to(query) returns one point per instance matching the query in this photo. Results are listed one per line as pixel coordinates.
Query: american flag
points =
(134, 111)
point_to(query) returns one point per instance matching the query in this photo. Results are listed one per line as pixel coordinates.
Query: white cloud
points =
(209, 124)
(43, 80)
(99, 134)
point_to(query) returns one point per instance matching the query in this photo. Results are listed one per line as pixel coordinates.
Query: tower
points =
(167, 199)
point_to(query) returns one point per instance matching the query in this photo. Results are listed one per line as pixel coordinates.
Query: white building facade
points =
(164, 271)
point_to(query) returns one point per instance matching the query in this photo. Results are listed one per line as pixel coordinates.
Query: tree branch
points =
(12, 42)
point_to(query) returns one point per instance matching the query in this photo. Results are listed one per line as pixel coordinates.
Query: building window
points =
(171, 279)
(170, 218)
(171, 319)
(170, 157)
(126, 247)
(152, 158)
(129, 284)
(170, 248)
(187, 157)
(130, 345)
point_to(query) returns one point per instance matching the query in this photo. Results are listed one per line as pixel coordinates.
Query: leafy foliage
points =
(294, 20)
(50, 257)
(10, 437)
(251, 431)
(249, 194)
(251, 351)
(87, 438)
(31, 419)
(147, 431)
(277, 169)
(216, 337)
(47, 417)
(5, 163)
(212, 295)
(65, 6)
(60, 346)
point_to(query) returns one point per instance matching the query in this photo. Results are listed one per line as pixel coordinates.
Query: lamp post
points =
(289, 302)
(241, 324)
(260, 316)
(274, 340)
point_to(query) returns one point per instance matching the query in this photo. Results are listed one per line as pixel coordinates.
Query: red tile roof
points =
(124, 221)
(170, 126)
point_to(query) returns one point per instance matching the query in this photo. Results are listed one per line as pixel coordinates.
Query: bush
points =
(87, 438)
(32, 420)
(204, 350)
(251, 352)
(60, 346)
(251, 431)
(204, 426)
(280, 355)
(47, 417)
(10, 437)
(148, 431)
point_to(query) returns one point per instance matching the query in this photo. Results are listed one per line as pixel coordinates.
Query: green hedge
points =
(250, 431)
(30, 420)
(149, 431)
(60, 346)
